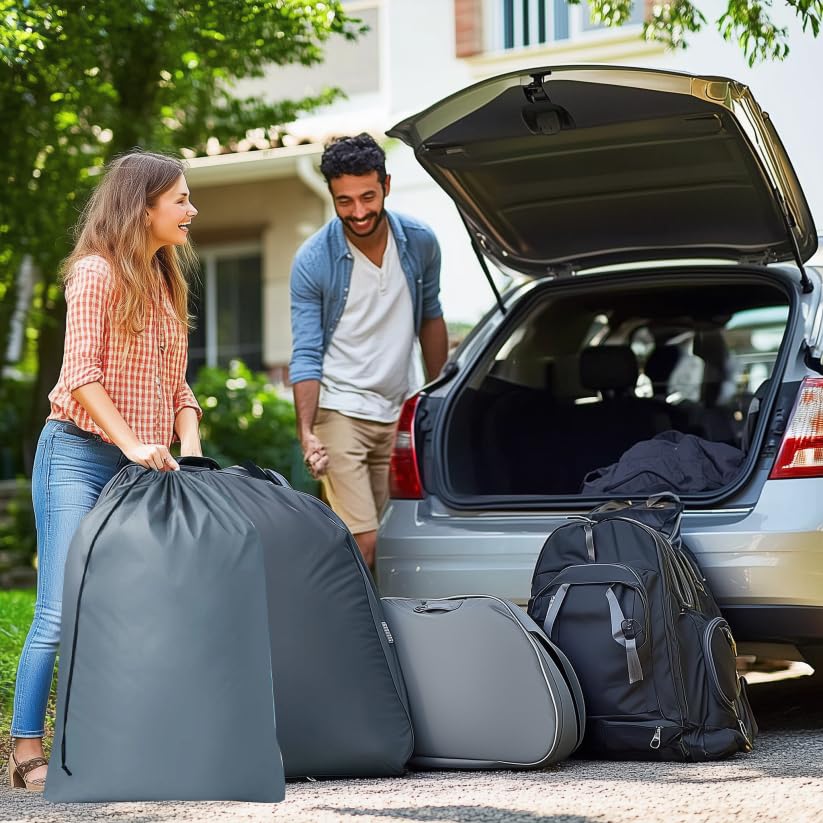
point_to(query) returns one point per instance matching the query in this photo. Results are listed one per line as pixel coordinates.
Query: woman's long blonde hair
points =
(113, 225)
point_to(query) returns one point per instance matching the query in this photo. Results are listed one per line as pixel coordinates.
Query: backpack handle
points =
(611, 506)
(656, 499)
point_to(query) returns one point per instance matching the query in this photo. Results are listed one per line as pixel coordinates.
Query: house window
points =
(517, 24)
(228, 309)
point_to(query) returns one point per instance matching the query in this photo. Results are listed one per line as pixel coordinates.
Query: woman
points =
(121, 396)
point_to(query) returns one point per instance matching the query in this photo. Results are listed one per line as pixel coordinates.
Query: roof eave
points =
(248, 167)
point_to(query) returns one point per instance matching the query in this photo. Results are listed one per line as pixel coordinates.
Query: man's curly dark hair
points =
(353, 155)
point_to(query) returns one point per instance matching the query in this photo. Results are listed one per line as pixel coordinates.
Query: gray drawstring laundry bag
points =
(165, 689)
(342, 709)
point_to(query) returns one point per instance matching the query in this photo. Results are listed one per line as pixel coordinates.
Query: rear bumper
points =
(798, 625)
(765, 565)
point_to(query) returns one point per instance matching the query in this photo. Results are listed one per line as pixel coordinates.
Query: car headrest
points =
(711, 347)
(608, 368)
(661, 363)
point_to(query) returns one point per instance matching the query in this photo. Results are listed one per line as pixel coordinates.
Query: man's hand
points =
(314, 455)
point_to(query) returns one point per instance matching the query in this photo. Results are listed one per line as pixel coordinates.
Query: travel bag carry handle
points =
(259, 474)
(198, 463)
(438, 606)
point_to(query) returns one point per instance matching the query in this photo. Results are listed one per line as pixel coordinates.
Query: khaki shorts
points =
(356, 482)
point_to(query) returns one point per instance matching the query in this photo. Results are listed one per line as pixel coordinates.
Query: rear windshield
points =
(738, 349)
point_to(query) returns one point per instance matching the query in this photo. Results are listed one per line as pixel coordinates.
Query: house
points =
(260, 201)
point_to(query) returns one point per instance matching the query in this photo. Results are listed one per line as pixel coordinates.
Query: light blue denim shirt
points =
(320, 278)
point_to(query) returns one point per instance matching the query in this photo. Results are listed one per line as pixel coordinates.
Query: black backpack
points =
(618, 593)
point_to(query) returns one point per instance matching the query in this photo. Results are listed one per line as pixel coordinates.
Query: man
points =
(362, 288)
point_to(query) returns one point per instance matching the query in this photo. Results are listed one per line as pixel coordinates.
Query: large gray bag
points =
(486, 688)
(341, 703)
(165, 688)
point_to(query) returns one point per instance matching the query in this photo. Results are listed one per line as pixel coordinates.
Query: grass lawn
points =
(16, 612)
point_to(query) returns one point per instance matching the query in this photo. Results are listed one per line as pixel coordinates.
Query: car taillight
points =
(404, 478)
(801, 452)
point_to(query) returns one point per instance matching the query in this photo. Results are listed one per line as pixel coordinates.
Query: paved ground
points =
(782, 780)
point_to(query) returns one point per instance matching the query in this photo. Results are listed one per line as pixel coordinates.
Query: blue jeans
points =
(71, 467)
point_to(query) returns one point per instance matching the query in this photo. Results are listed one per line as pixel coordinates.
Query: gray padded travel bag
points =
(165, 683)
(341, 702)
(486, 687)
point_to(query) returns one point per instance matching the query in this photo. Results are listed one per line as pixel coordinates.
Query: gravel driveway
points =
(782, 780)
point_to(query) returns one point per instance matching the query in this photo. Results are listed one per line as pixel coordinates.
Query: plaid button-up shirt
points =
(147, 383)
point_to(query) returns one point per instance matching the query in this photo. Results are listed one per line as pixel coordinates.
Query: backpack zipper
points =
(671, 638)
(707, 652)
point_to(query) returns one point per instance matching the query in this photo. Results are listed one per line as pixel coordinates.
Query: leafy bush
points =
(245, 419)
(18, 538)
(15, 400)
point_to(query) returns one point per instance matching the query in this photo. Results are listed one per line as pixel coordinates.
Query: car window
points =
(542, 351)
(728, 361)
(753, 338)
(711, 362)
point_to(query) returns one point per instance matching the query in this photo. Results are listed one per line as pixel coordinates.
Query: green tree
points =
(746, 22)
(246, 420)
(82, 81)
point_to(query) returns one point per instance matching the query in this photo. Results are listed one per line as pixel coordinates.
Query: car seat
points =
(717, 418)
(604, 429)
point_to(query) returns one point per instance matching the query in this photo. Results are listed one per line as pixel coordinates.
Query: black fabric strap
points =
(258, 474)
(199, 463)
(75, 634)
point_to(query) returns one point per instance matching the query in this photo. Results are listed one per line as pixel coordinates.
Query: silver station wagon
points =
(664, 238)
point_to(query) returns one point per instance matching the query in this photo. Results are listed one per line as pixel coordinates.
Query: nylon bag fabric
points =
(670, 461)
(487, 689)
(165, 685)
(342, 709)
(628, 605)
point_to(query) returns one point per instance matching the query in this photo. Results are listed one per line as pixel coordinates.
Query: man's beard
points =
(379, 217)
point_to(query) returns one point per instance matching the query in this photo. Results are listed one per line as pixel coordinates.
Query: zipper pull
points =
(655, 744)
(742, 726)
(729, 637)
(589, 536)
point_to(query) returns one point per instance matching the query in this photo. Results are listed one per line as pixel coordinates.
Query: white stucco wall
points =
(275, 215)
(423, 69)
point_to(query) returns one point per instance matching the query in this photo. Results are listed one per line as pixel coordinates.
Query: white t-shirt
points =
(366, 368)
